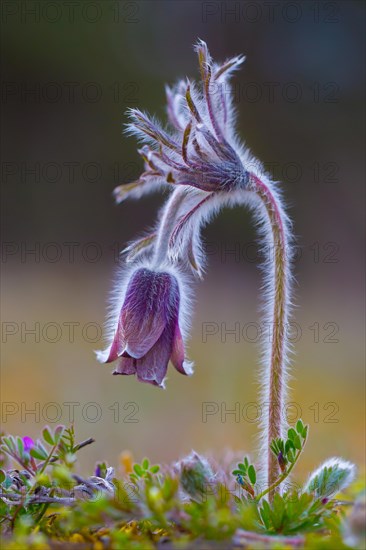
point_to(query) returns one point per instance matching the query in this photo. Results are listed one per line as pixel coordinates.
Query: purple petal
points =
(153, 366)
(116, 348)
(177, 356)
(28, 443)
(125, 365)
(152, 300)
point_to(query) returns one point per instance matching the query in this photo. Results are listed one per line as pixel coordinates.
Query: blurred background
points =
(69, 72)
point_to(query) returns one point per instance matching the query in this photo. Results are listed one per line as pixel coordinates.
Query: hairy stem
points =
(167, 224)
(274, 381)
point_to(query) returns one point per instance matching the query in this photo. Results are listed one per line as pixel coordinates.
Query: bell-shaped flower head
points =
(147, 328)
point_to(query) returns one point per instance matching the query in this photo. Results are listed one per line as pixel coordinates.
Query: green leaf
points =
(246, 462)
(289, 445)
(68, 439)
(169, 488)
(278, 446)
(20, 446)
(265, 513)
(292, 434)
(10, 442)
(252, 475)
(145, 464)
(47, 436)
(274, 449)
(59, 431)
(155, 469)
(242, 467)
(2, 476)
(299, 427)
(277, 512)
(291, 456)
(139, 471)
(265, 518)
(39, 453)
(297, 442)
(238, 473)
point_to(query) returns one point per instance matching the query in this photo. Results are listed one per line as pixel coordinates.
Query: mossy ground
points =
(192, 504)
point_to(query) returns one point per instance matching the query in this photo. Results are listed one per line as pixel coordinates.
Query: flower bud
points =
(282, 462)
(330, 478)
(196, 475)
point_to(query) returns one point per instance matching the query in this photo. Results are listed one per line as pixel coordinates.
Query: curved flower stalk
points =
(201, 160)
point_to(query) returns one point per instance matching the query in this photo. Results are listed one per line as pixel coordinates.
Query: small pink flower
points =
(147, 332)
(28, 443)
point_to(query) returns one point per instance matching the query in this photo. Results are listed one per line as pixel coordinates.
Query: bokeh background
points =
(69, 74)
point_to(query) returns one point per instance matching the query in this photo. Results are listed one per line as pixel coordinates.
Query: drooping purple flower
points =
(147, 331)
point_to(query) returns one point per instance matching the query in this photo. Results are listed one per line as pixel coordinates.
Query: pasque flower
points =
(201, 160)
(147, 331)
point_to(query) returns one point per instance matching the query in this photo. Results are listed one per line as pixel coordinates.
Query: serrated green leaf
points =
(277, 512)
(68, 439)
(252, 474)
